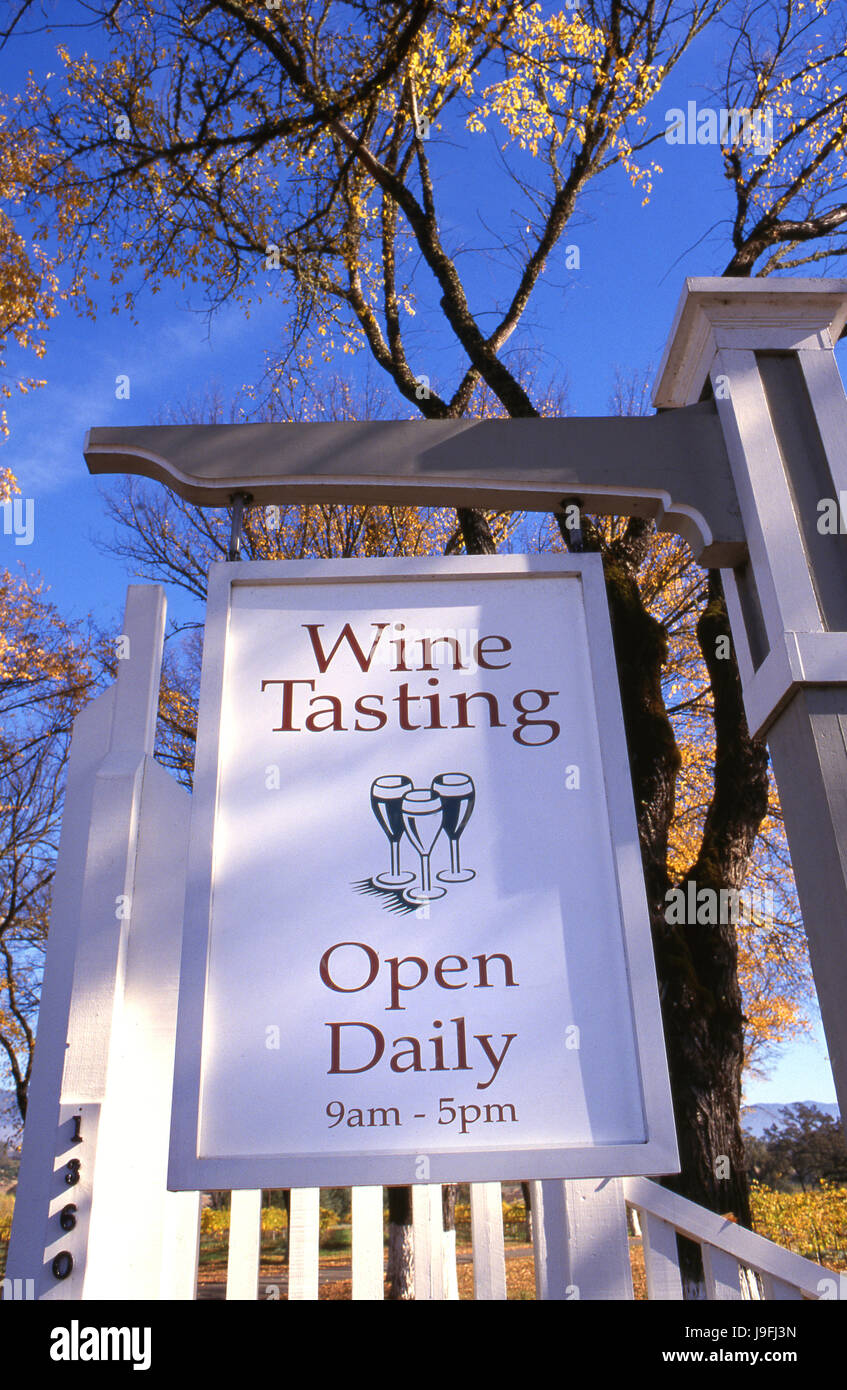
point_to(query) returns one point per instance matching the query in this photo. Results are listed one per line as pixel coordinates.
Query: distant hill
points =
(755, 1119)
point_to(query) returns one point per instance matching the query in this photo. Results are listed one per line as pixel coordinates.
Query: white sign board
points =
(416, 940)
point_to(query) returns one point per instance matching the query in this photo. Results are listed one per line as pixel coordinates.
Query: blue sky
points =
(615, 311)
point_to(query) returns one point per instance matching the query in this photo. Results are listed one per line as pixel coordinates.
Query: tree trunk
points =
(401, 1257)
(449, 1269)
(527, 1201)
(696, 964)
(476, 532)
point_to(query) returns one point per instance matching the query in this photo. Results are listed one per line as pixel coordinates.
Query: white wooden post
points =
(46, 1137)
(549, 1239)
(304, 1234)
(427, 1233)
(489, 1262)
(722, 1274)
(180, 1246)
(580, 1238)
(100, 1094)
(368, 1256)
(661, 1258)
(245, 1240)
(766, 351)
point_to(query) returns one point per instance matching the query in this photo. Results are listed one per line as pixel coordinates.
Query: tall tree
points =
(807, 1147)
(47, 671)
(312, 151)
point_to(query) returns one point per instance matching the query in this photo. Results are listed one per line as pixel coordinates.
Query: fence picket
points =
(180, 1246)
(303, 1243)
(549, 1227)
(367, 1243)
(489, 1258)
(778, 1288)
(722, 1272)
(427, 1227)
(661, 1258)
(245, 1239)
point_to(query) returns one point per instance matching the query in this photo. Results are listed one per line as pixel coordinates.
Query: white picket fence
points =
(578, 1249)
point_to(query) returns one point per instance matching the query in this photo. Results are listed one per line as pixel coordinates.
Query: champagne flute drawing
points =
(386, 800)
(457, 794)
(422, 817)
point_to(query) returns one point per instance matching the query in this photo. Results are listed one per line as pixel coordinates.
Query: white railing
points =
(737, 1263)
(580, 1246)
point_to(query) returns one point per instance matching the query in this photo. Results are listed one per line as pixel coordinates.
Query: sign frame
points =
(658, 1154)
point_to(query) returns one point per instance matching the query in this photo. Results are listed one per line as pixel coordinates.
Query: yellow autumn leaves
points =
(40, 656)
(813, 1224)
(28, 281)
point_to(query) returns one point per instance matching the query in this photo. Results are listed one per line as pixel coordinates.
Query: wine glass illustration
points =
(386, 800)
(457, 794)
(422, 817)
